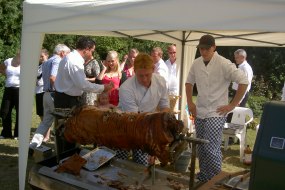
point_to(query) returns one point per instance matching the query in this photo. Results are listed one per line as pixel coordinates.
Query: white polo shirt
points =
(246, 68)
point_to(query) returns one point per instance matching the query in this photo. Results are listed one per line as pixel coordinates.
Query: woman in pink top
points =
(129, 66)
(112, 72)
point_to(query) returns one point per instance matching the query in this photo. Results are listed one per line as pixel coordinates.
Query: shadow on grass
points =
(9, 149)
(230, 153)
(231, 159)
(9, 167)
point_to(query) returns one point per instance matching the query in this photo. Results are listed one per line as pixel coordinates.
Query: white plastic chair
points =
(237, 127)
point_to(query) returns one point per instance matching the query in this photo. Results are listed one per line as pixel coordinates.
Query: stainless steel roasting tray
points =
(119, 173)
(98, 157)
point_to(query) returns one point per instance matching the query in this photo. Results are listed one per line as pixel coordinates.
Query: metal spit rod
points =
(193, 142)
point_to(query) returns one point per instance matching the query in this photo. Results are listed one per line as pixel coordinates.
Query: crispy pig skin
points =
(72, 165)
(151, 132)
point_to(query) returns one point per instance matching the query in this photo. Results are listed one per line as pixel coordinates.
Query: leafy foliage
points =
(10, 30)
(105, 44)
(2, 85)
(256, 104)
(268, 69)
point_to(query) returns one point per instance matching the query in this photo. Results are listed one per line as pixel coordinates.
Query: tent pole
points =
(181, 71)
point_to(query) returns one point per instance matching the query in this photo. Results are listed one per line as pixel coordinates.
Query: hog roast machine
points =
(159, 134)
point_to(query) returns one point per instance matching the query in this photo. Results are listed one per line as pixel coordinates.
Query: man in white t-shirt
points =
(160, 67)
(240, 58)
(172, 72)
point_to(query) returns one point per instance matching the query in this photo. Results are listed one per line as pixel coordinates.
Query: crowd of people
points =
(140, 82)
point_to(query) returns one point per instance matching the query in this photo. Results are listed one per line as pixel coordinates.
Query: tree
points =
(104, 44)
(10, 30)
(268, 69)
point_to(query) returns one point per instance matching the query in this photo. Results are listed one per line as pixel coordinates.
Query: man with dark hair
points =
(212, 75)
(71, 82)
(71, 79)
(85, 43)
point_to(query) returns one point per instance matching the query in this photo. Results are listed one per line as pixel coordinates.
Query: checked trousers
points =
(209, 155)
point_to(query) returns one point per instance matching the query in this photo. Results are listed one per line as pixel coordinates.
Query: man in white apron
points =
(143, 92)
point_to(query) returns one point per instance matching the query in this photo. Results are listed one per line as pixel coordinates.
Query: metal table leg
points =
(192, 165)
(193, 142)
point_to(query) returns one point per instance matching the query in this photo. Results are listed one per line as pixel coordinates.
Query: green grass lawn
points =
(9, 178)
(231, 159)
(9, 158)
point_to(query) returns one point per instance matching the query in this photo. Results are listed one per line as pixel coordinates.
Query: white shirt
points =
(212, 83)
(162, 70)
(71, 77)
(40, 82)
(134, 97)
(246, 68)
(12, 74)
(172, 80)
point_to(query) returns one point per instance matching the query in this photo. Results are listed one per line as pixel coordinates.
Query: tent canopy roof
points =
(233, 23)
(183, 22)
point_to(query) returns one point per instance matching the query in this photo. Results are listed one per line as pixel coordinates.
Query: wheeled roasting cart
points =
(113, 173)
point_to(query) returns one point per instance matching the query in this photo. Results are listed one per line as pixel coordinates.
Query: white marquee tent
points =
(231, 22)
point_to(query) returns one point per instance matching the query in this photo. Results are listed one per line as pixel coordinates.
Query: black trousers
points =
(62, 100)
(10, 100)
(39, 104)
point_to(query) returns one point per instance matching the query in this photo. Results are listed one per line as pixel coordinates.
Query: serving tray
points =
(98, 157)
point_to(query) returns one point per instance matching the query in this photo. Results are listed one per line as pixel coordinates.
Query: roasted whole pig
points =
(151, 132)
